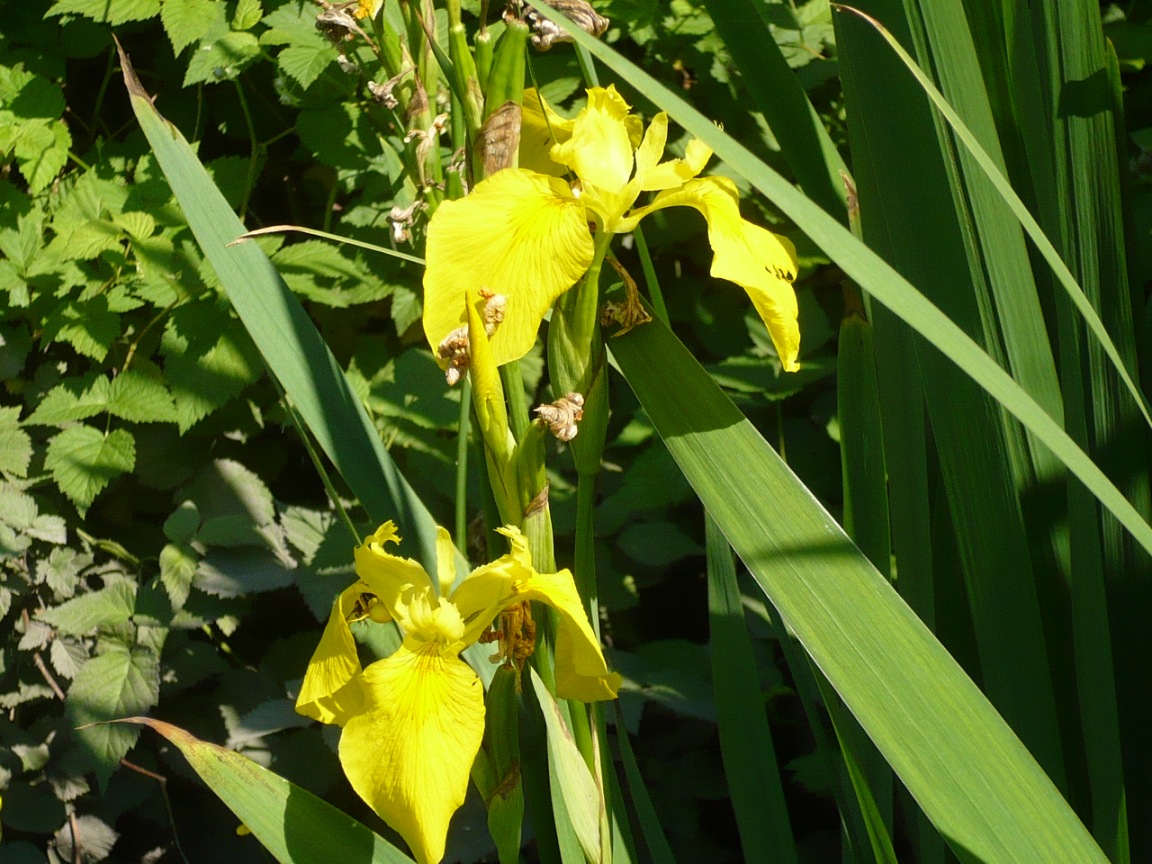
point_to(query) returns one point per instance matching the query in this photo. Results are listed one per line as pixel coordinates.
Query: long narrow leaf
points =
(292, 823)
(967, 770)
(880, 280)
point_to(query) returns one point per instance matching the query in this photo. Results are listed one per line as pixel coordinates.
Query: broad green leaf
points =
(294, 825)
(177, 568)
(15, 444)
(90, 327)
(107, 11)
(965, 767)
(83, 461)
(120, 682)
(138, 398)
(188, 21)
(111, 605)
(304, 63)
(42, 152)
(248, 13)
(67, 402)
(222, 59)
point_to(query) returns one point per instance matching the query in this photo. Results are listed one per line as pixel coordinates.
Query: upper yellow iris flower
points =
(524, 233)
(413, 722)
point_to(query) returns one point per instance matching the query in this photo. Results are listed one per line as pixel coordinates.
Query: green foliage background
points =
(166, 546)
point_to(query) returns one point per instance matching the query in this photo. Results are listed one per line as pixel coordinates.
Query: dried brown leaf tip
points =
(563, 416)
(631, 312)
(545, 34)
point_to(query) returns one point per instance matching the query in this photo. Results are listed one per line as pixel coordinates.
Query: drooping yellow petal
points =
(581, 671)
(325, 694)
(519, 234)
(388, 576)
(601, 148)
(540, 129)
(761, 262)
(409, 752)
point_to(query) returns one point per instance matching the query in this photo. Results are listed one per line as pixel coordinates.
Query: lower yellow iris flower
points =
(525, 234)
(413, 722)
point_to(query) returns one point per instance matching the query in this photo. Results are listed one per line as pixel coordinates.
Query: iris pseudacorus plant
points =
(525, 234)
(413, 722)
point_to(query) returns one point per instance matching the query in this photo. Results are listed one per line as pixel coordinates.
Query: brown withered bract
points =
(563, 416)
(545, 34)
(499, 138)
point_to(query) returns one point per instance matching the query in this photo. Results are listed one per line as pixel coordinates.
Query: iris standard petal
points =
(409, 752)
(519, 234)
(540, 129)
(601, 147)
(581, 671)
(761, 262)
(388, 576)
(325, 694)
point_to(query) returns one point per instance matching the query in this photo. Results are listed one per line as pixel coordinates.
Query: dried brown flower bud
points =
(563, 415)
(545, 34)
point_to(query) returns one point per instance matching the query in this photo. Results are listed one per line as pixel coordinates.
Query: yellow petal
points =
(601, 148)
(761, 262)
(409, 752)
(540, 129)
(388, 576)
(675, 172)
(325, 694)
(519, 234)
(445, 561)
(490, 588)
(581, 671)
(652, 147)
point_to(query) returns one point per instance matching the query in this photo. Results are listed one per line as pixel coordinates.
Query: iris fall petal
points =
(410, 751)
(519, 234)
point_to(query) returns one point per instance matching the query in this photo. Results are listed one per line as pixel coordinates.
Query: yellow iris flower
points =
(413, 722)
(525, 234)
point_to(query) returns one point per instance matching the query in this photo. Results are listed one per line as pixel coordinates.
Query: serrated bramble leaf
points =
(337, 135)
(222, 59)
(83, 461)
(235, 572)
(248, 14)
(59, 571)
(118, 683)
(89, 327)
(291, 24)
(139, 398)
(107, 11)
(49, 528)
(137, 225)
(188, 21)
(177, 568)
(42, 152)
(111, 605)
(71, 401)
(228, 488)
(203, 378)
(305, 63)
(15, 444)
(17, 509)
(85, 241)
(67, 657)
(182, 525)
(322, 272)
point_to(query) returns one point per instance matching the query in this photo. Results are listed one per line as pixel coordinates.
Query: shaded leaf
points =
(83, 461)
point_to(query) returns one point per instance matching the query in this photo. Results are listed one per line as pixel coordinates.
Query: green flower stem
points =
(464, 67)
(584, 561)
(654, 292)
(513, 383)
(463, 431)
